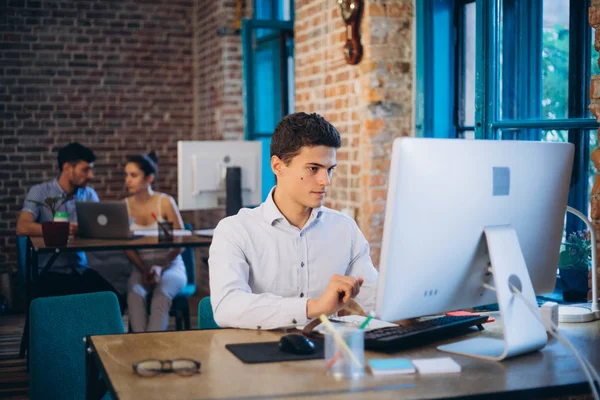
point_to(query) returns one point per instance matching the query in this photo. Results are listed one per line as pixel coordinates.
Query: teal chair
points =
(21, 249)
(58, 326)
(206, 318)
(180, 308)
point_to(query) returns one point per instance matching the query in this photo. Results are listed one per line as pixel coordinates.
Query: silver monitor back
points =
(441, 195)
(103, 220)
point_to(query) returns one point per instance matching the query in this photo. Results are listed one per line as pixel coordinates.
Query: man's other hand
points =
(338, 292)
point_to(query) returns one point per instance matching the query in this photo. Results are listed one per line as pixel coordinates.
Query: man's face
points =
(306, 178)
(79, 173)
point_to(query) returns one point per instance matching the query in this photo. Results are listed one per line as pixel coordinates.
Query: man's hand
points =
(339, 291)
(73, 229)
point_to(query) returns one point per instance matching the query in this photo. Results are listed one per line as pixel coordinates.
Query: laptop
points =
(103, 220)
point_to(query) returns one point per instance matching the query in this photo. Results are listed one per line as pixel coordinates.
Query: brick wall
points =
(370, 103)
(121, 77)
(218, 110)
(218, 62)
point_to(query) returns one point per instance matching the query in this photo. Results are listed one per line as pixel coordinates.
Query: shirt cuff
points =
(295, 310)
(30, 210)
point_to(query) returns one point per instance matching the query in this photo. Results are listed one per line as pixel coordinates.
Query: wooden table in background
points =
(551, 372)
(36, 246)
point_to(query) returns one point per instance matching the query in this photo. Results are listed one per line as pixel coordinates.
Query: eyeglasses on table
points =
(180, 366)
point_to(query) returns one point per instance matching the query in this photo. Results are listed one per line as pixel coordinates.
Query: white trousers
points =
(171, 282)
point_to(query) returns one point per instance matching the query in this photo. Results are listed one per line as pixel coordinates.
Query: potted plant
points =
(55, 232)
(573, 264)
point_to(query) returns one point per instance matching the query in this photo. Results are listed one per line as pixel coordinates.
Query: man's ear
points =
(277, 166)
(67, 167)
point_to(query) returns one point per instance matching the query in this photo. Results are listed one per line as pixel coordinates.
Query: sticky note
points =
(388, 366)
(438, 365)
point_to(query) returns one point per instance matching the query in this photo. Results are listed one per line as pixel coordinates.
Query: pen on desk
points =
(339, 353)
(366, 321)
(339, 340)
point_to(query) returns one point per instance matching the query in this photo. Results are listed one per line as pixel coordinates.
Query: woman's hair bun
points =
(153, 156)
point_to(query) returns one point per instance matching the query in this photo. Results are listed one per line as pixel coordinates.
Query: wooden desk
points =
(550, 372)
(36, 246)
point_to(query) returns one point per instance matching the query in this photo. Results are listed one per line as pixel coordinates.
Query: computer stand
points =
(523, 333)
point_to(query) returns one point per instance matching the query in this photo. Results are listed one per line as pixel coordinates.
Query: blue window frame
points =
(530, 81)
(268, 60)
(280, 10)
(435, 69)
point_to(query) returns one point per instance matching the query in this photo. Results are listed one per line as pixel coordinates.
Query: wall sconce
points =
(351, 13)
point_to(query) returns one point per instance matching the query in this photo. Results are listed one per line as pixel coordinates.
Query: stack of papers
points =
(389, 366)
(356, 320)
(204, 232)
(154, 232)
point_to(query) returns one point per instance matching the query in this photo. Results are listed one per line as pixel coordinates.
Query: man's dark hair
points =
(74, 152)
(300, 129)
(148, 163)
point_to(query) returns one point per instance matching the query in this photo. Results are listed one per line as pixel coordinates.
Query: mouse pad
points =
(264, 352)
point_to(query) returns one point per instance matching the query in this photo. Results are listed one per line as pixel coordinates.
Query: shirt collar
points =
(272, 213)
(62, 192)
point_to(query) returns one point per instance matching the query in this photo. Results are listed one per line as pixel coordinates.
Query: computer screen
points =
(201, 171)
(442, 194)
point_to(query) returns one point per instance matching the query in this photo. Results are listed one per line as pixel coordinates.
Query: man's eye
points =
(312, 169)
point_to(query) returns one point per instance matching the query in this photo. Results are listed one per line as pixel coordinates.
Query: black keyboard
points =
(420, 333)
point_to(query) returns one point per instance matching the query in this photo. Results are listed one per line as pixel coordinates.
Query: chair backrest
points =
(57, 351)
(206, 319)
(21, 248)
(189, 260)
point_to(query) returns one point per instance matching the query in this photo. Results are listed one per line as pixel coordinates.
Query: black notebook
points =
(264, 352)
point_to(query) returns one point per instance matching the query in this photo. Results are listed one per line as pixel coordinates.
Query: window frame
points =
(278, 34)
(460, 76)
(487, 119)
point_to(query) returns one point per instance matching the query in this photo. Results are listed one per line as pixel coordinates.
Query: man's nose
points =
(324, 178)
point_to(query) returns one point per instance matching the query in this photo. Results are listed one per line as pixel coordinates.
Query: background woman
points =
(159, 271)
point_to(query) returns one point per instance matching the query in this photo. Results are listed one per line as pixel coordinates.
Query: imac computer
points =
(202, 169)
(463, 215)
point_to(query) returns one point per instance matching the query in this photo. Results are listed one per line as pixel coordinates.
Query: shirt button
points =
(294, 321)
(302, 264)
(301, 294)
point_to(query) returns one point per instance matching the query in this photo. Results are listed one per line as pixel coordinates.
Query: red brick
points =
(98, 85)
(594, 15)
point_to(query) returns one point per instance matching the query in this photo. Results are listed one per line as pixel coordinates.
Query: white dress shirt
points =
(263, 270)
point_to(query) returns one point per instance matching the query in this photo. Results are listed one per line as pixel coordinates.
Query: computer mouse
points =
(296, 344)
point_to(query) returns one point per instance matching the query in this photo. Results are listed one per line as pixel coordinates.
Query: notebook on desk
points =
(354, 320)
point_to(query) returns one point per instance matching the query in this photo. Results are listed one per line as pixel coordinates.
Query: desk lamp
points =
(584, 312)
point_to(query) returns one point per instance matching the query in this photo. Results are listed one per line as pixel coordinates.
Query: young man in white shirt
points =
(291, 259)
